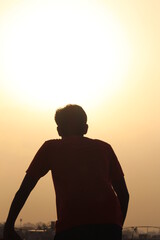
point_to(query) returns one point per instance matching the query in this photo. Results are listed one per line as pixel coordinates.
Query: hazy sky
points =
(104, 55)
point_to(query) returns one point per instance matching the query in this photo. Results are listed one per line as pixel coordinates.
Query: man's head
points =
(71, 121)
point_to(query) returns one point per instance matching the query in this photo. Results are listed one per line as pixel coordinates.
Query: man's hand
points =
(123, 195)
(10, 234)
(16, 206)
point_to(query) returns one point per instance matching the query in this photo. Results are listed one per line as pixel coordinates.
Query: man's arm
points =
(122, 193)
(18, 202)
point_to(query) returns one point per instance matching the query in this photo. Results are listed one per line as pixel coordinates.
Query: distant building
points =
(141, 233)
(38, 235)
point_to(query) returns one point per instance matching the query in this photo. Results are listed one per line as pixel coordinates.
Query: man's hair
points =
(71, 119)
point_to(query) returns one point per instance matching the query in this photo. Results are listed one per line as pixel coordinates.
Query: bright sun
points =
(58, 53)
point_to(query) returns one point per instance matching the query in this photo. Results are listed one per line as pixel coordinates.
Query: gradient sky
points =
(104, 55)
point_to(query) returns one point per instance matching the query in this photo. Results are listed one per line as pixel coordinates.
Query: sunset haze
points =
(103, 55)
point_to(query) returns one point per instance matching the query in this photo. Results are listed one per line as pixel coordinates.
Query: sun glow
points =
(61, 53)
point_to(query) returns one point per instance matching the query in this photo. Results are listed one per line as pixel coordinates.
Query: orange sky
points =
(119, 89)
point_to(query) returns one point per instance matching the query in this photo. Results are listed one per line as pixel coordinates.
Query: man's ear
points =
(85, 128)
(59, 131)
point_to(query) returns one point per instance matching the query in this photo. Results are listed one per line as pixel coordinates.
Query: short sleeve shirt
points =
(83, 172)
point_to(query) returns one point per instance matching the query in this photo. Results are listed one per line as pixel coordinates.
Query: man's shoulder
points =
(52, 141)
(100, 142)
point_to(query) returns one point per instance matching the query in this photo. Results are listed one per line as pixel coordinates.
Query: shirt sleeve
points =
(116, 172)
(40, 163)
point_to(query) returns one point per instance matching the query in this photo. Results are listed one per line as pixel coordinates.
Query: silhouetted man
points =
(91, 193)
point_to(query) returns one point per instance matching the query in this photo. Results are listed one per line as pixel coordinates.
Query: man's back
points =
(83, 170)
